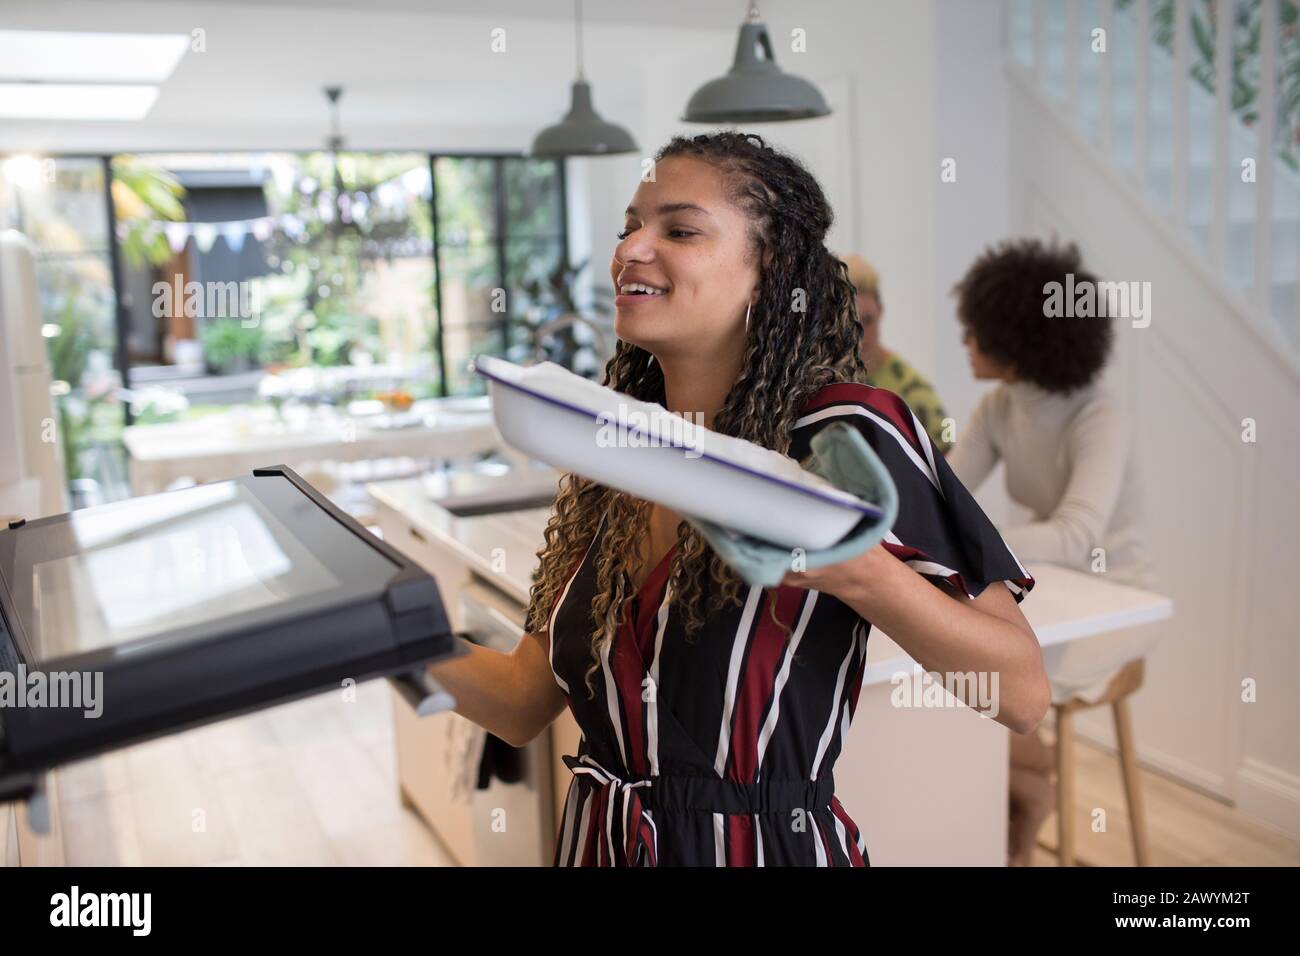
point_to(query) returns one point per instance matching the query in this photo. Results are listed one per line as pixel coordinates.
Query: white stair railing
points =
(1143, 107)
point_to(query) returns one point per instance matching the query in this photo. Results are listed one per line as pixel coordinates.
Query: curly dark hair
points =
(1001, 302)
(803, 334)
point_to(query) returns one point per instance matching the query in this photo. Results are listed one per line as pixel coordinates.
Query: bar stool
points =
(1126, 681)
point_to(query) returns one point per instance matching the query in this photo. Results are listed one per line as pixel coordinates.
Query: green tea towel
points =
(842, 456)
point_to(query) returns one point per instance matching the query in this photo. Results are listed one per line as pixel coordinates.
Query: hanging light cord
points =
(332, 93)
(577, 33)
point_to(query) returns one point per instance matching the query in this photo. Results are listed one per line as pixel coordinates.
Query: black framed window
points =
(501, 232)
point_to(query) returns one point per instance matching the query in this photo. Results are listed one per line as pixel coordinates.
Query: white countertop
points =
(474, 539)
(235, 442)
(1064, 605)
(259, 430)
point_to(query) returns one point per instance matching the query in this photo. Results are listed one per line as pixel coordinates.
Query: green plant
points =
(230, 346)
(553, 298)
(1246, 33)
(143, 194)
(85, 421)
(70, 349)
(556, 293)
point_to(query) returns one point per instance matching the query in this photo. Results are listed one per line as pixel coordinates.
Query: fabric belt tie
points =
(628, 805)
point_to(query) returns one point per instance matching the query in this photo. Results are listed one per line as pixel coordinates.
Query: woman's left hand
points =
(845, 580)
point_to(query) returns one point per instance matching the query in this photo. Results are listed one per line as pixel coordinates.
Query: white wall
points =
(879, 60)
(972, 212)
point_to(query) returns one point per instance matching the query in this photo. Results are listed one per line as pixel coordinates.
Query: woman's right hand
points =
(513, 696)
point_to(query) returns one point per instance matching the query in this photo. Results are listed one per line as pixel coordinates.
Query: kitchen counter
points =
(928, 785)
(246, 437)
(500, 548)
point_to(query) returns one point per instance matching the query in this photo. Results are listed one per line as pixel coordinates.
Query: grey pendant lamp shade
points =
(755, 90)
(582, 132)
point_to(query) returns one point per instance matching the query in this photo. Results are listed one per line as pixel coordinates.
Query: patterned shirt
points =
(911, 386)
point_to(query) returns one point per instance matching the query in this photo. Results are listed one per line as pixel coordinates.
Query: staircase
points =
(1180, 146)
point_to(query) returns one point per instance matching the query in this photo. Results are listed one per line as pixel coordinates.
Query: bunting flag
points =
(235, 232)
(205, 234)
(177, 233)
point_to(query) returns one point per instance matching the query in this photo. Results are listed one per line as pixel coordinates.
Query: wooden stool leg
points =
(1132, 787)
(1064, 787)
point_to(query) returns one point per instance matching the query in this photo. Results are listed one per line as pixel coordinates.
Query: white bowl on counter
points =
(641, 448)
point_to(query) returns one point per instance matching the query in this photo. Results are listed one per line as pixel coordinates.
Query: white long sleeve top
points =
(1070, 460)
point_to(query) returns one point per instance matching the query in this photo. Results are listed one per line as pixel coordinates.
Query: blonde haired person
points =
(886, 369)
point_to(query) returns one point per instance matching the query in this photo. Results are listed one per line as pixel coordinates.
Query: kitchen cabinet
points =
(483, 567)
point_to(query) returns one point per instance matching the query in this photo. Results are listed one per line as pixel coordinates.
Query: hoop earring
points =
(747, 308)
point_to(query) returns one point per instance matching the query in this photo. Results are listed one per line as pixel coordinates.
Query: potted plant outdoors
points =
(553, 319)
(230, 347)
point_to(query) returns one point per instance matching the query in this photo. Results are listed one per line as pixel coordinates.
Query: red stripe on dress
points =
(742, 840)
(851, 830)
(630, 659)
(826, 841)
(880, 400)
(625, 665)
(757, 683)
(651, 596)
(1025, 584)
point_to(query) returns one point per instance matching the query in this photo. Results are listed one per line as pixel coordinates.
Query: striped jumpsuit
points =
(719, 751)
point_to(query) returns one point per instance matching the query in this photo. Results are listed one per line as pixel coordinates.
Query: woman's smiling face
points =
(683, 236)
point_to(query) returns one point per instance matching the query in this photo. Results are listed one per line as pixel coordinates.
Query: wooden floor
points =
(1185, 827)
(313, 783)
(310, 783)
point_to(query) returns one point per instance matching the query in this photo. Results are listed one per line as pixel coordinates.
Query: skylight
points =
(84, 76)
(76, 101)
(89, 57)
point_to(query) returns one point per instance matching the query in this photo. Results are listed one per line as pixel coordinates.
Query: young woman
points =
(712, 713)
(1062, 435)
(1064, 441)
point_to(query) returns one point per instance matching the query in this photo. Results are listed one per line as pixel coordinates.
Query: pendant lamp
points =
(755, 90)
(582, 132)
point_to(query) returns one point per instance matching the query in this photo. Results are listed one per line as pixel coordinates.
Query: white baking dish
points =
(641, 448)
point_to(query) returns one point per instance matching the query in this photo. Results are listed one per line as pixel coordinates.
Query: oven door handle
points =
(425, 695)
(422, 691)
